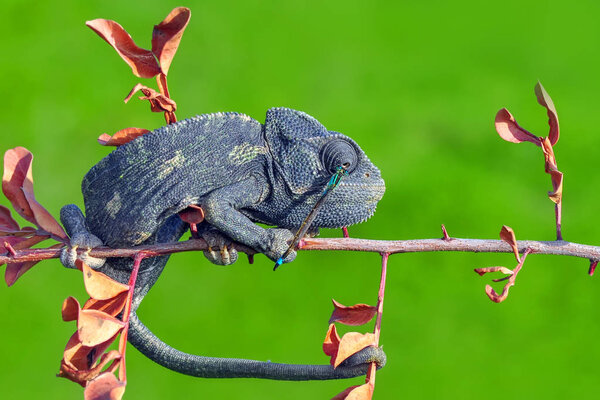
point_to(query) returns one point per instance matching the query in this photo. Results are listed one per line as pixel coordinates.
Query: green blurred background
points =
(417, 85)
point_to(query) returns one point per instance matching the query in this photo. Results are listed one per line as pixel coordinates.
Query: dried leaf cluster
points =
(144, 63)
(508, 235)
(509, 130)
(105, 315)
(340, 349)
(102, 318)
(17, 186)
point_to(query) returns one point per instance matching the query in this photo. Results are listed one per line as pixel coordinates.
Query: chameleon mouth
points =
(349, 206)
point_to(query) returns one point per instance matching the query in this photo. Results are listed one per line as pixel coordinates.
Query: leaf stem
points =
(558, 213)
(377, 330)
(137, 260)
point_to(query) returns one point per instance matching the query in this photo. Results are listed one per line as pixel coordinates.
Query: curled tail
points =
(213, 367)
(207, 367)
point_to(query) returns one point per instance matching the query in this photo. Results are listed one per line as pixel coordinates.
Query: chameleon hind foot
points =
(220, 250)
(80, 237)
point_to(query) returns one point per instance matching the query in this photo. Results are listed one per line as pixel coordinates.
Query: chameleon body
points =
(240, 172)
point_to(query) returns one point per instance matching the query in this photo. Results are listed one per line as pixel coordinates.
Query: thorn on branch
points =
(445, 236)
(593, 265)
(10, 249)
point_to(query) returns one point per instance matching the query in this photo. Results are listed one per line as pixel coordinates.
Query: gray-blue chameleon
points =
(240, 172)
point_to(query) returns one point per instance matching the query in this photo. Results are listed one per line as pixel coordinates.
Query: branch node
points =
(445, 236)
(345, 232)
(10, 249)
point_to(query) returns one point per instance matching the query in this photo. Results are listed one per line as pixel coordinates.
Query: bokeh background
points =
(417, 84)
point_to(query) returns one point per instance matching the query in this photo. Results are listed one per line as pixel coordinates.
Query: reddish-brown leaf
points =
(167, 35)
(32, 241)
(121, 137)
(161, 81)
(343, 394)
(546, 101)
(112, 306)
(16, 270)
(192, 215)
(17, 164)
(43, 218)
(80, 357)
(7, 223)
(66, 371)
(83, 376)
(508, 235)
(495, 297)
(96, 327)
(358, 314)
(142, 61)
(483, 271)
(70, 309)
(17, 185)
(509, 130)
(359, 392)
(331, 343)
(27, 231)
(105, 387)
(158, 101)
(557, 184)
(98, 285)
(550, 159)
(351, 343)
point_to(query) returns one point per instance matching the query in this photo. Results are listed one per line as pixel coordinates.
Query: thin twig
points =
(377, 330)
(137, 260)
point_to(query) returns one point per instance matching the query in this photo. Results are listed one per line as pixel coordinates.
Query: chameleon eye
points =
(337, 153)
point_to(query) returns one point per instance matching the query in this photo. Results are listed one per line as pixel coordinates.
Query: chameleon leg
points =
(80, 237)
(221, 207)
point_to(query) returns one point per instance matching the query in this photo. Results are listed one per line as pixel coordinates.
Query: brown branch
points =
(557, 247)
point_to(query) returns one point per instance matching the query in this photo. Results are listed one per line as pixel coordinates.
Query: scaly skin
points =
(240, 172)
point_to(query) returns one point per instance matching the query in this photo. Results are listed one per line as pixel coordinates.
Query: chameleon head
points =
(306, 155)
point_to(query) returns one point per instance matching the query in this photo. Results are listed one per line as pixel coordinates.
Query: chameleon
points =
(240, 172)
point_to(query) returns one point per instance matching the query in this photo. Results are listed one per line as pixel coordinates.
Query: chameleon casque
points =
(240, 172)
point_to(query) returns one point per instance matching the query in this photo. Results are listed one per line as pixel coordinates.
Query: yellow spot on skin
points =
(245, 153)
(114, 205)
(168, 166)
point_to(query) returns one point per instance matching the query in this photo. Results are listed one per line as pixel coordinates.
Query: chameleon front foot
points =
(279, 243)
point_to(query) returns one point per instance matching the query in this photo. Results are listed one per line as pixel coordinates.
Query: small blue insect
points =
(336, 178)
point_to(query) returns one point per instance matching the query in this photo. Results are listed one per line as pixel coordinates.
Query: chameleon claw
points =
(225, 255)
